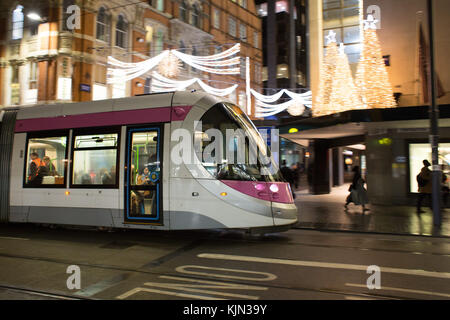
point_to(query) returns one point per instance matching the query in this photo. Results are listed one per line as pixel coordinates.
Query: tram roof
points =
(179, 98)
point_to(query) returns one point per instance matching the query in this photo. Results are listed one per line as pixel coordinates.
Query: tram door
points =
(143, 176)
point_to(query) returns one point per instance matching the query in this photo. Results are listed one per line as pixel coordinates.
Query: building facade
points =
(398, 30)
(47, 60)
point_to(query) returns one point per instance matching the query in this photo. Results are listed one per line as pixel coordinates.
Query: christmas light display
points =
(163, 84)
(170, 66)
(221, 63)
(321, 104)
(372, 79)
(343, 95)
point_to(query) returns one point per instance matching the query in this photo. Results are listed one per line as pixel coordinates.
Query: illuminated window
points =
(195, 16)
(421, 151)
(17, 23)
(95, 158)
(243, 32)
(121, 32)
(232, 26)
(33, 75)
(183, 11)
(158, 4)
(216, 18)
(46, 160)
(103, 25)
(242, 67)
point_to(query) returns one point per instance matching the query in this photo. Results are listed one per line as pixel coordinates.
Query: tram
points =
(108, 164)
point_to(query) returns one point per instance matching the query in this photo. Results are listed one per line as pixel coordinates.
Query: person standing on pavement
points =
(288, 175)
(358, 194)
(425, 187)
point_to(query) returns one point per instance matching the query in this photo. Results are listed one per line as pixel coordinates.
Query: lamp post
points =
(434, 129)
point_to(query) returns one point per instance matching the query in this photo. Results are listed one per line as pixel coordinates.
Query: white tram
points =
(108, 163)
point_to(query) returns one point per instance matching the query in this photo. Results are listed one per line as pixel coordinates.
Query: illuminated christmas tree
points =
(343, 91)
(372, 79)
(321, 104)
(337, 92)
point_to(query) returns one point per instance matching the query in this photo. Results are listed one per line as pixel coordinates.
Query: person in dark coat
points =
(426, 187)
(358, 194)
(288, 175)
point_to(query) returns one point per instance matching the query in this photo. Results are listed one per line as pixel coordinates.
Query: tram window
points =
(46, 161)
(239, 159)
(95, 160)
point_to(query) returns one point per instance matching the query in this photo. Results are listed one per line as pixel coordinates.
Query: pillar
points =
(319, 167)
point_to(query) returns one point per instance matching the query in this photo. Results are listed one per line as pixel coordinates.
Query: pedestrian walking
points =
(424, 182)
(288, 175)
(358, 194)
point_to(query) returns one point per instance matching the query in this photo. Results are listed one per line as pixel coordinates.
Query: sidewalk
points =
(326, 212)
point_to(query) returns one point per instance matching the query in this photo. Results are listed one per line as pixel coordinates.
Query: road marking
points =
(317, 264)
(439, 294)
(13, 238)
(267, 276)
(357, 298)
(170, 293)
(208, 285)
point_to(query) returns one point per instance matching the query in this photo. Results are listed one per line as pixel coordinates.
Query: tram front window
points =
(241, 154)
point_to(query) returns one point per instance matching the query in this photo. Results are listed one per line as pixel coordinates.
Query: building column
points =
(271, 34)
(338, 167)
(315, 45)
(319, 167)
(292, 46)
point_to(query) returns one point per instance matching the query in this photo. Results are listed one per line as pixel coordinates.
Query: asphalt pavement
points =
(327, 212)
(219, 264)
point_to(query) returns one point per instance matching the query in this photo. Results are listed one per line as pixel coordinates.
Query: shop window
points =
(421, 151)
(95, 158)
(46, 160)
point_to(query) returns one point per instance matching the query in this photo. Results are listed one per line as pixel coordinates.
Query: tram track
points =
(41, 293)
(342, 293)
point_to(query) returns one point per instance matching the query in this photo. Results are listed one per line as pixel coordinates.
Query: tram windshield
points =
(231, 148)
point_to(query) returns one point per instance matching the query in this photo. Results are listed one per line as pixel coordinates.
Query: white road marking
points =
(267, 276)
(170, 293)
(357, 298)
(439, 294)
(317, 264)
(13, 238)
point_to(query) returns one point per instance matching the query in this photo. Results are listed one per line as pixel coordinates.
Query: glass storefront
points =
(421, 151)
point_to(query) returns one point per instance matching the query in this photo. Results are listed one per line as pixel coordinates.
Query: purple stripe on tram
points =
(102, 119)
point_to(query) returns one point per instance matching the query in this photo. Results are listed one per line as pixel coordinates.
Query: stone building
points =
(45, 60)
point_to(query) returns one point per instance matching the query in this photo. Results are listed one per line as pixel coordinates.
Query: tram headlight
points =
(273, 188)
(259, 186)
(67, 193)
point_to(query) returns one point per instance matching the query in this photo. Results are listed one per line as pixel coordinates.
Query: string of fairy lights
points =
(337, 90)
(169, 63)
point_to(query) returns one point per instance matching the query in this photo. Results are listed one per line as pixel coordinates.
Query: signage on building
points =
(85, 87)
